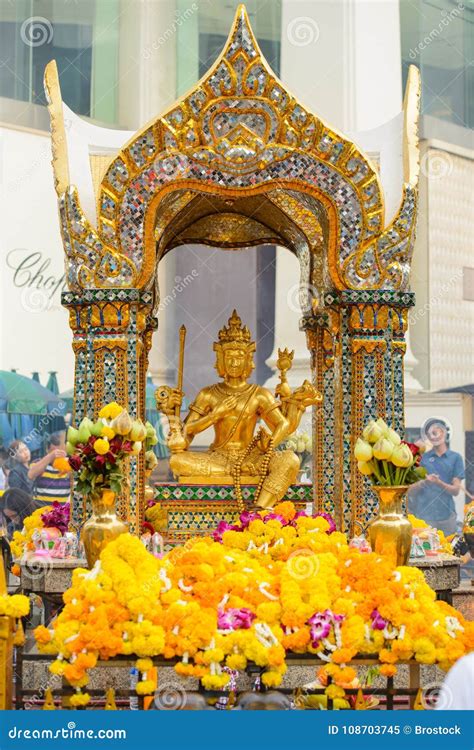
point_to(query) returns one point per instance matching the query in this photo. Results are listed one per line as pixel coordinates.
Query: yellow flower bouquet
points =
(385, 458)
(97, 450)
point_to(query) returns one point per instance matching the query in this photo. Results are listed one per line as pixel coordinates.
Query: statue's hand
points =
(264, 441)
(282, 390)
(167, 399)
(177, 441)
(224, 408)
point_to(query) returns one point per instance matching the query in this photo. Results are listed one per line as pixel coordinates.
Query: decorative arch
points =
(239, 135)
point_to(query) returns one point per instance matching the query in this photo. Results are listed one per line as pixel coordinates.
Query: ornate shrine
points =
(239, 162)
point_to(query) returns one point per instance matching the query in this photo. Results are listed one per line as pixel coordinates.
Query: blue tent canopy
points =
(28, 411)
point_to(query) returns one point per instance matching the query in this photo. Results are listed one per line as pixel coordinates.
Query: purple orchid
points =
(378, 622)
(320, 628)
(57, 517)
(233, 618)
(321, 623)
(275, 517)
(329, 519)
(247, 517)
(222, 527)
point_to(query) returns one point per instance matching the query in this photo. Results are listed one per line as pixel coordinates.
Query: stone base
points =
(441, 573)
(48, 575)
(463, 599)
(196, 509)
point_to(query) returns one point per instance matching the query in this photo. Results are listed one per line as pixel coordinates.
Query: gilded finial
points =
(361, 703)
(418, 705)
(110, 704)
(48, 704)
(285, 361)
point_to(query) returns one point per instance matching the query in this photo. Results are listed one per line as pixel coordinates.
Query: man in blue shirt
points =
(432, 498)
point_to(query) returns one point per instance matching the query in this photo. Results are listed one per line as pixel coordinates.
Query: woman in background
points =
(16, 505)
(19, 463)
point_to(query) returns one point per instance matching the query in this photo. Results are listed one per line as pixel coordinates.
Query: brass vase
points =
(391, 532)
(102, 527)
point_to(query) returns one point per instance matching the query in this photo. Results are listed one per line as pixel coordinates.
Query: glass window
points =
(84, 38)
(438, 37)
(33, 33)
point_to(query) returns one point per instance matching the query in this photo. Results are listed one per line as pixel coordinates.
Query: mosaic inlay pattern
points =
(238, 130)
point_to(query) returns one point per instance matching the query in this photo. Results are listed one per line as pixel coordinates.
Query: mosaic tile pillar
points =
(112, 331)
(357, 343)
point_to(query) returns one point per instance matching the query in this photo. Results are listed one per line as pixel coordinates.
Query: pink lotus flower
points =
(233, 618)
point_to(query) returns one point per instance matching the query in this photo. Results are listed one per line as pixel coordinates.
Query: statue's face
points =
(235, 362)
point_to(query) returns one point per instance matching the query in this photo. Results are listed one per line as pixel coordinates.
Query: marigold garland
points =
(15, 606)
(278, 581)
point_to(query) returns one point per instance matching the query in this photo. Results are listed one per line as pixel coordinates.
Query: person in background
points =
(51, 484)
(19, 463)
(432, 498)
(16, 506)
(3, 475)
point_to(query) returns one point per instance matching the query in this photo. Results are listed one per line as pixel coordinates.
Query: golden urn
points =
(390, 533)
(102, 527)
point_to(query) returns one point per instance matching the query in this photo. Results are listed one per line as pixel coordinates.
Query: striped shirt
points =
(53, 486)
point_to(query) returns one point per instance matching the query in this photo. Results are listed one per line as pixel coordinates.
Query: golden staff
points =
(182, 339)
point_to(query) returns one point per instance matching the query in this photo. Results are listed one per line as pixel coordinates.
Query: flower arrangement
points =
(151, 439)
(301, 443)
(57, 516)
(419, 525)
(156, 516)
(22, 541)
(468, 525)
(275, 582)
(53, 519)
(385, 458)
(97, 450)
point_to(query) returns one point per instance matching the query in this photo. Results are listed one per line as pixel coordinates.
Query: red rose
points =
(415, 450)
(147, 526)
(111, 459)
(115, 444)
(413, 447)
(75, 462)
(127, 446)
(100, 461)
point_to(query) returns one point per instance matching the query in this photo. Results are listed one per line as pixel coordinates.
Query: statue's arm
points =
(273, 417)
(295, 404)
(199, 417)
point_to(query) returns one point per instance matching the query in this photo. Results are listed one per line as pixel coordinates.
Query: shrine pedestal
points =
(196, 509)
(49, 577)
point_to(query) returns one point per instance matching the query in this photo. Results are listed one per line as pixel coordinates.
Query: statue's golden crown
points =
(234, 334)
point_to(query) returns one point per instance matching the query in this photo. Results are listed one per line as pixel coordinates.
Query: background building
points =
(123, 61)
